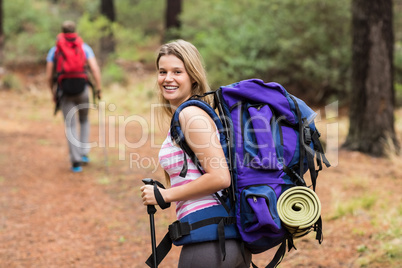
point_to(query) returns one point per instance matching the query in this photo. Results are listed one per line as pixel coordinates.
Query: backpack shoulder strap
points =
(178, 135)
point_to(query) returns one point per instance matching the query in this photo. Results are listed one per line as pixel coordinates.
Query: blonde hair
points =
(193, 63)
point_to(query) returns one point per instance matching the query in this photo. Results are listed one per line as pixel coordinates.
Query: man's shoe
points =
(85, 159)
(76, 169)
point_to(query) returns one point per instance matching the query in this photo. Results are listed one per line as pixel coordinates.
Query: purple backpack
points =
(270, 141)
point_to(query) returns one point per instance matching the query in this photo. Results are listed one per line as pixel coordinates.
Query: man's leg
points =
(69, 108)
(83, 100)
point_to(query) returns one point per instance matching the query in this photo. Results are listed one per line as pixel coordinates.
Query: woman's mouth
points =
(171, 87)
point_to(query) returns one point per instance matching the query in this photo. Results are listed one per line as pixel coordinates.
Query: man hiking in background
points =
(66, 65)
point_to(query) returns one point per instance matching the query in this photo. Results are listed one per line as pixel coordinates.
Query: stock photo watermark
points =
(112, 133)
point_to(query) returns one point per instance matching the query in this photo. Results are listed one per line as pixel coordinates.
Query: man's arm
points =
(95, 70)
(49, 78)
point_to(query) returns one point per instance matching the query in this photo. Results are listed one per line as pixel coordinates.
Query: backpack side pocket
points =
(258, 212)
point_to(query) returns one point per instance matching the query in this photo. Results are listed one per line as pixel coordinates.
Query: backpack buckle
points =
(307, 135)
(178, 229)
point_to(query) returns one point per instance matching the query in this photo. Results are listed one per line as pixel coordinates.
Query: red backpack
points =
(70, 61)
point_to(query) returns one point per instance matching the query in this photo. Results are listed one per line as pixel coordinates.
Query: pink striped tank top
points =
(171, 159)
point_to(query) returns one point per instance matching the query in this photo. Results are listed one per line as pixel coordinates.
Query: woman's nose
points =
(169, 76)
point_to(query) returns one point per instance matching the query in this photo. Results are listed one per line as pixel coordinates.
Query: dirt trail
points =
(50, 217)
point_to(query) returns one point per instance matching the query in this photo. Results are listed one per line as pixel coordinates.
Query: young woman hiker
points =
(181, 74)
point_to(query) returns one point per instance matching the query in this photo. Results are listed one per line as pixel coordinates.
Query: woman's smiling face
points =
(173, 80)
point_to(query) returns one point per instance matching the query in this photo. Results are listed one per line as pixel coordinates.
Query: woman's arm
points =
(200, 133)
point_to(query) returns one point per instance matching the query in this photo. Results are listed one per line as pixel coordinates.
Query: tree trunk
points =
(172, 22)
(371, 128)
(107, 43)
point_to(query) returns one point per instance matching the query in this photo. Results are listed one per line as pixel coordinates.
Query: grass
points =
(362, 200)
(12, 82)
(104, 180)
(384, 247)
(122, 239)
(134, 99)
(353, 206)
(373, 208)
(392, 236)
(44, 142)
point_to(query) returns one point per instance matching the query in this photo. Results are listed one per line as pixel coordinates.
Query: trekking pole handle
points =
(148, 181)
(150, 208)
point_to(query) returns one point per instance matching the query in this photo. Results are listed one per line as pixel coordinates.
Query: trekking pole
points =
(151, 211)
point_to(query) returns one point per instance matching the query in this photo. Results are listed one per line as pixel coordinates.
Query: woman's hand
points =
(148, 196)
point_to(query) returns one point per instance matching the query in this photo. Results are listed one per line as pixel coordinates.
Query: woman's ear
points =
(194, 85)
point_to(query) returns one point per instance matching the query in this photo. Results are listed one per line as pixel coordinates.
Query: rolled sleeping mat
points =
(299, 209)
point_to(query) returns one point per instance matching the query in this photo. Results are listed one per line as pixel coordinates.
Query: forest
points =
(306, 44)
(327, 53)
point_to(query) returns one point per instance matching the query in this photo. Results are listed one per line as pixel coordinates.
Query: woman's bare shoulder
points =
(195, 117)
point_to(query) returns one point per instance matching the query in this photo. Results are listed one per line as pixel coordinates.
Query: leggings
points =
(209, 255)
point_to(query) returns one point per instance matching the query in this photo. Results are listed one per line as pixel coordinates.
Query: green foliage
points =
(398, 94)
(398, 70)
(398, 50)
(128, 40)
(139, 28)
(143, 15)
(132, 43)
(304, 43)
(113, 73)
(31, 31)
(240, 46)
(362, 248)
(91, 30)
(11, 82)
(27, 31)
